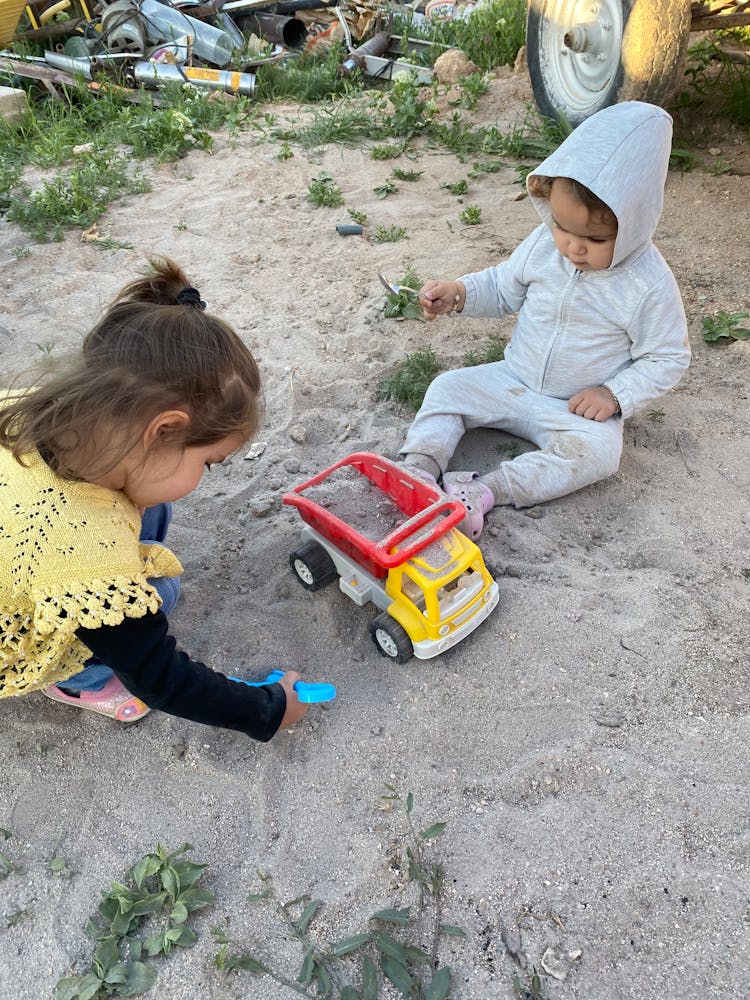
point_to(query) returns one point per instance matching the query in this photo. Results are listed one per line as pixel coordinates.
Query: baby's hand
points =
(596, 403)
(295, 709)
(439, 297)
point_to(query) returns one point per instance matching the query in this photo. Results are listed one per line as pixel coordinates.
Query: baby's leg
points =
(455, 402)
(573, 453)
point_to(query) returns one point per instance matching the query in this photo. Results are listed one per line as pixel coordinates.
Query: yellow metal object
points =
(10, 12)
(46, 16)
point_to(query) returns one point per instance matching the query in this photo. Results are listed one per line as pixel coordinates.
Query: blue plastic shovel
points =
(309, 694)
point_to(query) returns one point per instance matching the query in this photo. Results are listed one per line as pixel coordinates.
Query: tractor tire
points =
(584, 55)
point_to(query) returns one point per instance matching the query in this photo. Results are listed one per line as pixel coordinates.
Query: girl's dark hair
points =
(154, 349)
(541, 187)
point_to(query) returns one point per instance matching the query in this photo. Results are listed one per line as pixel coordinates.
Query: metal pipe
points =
(378, 45)
(152, 74)
(290, 6)
(288, 31)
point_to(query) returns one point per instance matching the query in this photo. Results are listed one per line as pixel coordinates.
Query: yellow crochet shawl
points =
(69, 557)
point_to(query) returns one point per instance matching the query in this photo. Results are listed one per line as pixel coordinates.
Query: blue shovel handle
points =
(308, 694)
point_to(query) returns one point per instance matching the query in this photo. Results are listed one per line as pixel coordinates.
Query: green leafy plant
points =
(160, 888)
(404, 305)
(389, 234)
(471, 215)
(400, 946)
(388, 186)
(385, 152)
(323, 191)
(286, 152)
(360, 217)
(472, 87)
(56, 864)
(486, 167)
(407, 175)
(724, 325)
(460, 188)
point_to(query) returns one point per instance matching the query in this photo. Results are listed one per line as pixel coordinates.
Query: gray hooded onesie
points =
(623, 326)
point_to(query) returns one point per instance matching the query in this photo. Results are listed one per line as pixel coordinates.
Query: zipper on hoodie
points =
(564, 300)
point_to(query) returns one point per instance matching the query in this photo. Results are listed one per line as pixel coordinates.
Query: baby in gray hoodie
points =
(600, 331)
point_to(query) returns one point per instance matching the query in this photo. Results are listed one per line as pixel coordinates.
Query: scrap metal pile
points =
(215, 44)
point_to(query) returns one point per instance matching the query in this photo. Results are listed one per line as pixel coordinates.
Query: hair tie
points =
(190, 296)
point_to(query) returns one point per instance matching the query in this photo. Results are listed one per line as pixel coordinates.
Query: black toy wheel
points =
(391, 638)
(584, 55)
(313, 566)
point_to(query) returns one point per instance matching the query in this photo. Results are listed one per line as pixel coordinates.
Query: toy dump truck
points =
(391, 539)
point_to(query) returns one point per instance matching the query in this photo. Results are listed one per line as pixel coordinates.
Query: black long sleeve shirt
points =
(145, 657)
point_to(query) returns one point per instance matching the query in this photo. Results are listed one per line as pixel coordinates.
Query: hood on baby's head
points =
(621, 154)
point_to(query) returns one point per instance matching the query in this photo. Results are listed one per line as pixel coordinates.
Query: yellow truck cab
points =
(427, 578)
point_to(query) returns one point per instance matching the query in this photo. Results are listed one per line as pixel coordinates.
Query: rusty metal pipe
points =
(378, 45)
(288, 31)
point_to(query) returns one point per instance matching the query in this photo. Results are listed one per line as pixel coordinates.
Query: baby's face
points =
(588, 243)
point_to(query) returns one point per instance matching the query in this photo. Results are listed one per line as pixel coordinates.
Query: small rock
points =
(513, 571)
(256, 450)
(452, 65)
(261, 506)
(85, 147)
(292, 466)
(557, 963)
(298, 434)
(714, 151)
(535, 512)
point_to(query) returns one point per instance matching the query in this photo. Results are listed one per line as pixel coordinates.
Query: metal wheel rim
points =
(596, 25)
(386, 642)
(303, 572)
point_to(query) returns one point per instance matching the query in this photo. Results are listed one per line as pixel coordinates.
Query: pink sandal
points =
(114, 701)
(477, 497)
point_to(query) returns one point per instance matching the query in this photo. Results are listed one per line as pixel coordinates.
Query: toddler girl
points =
(89, 464)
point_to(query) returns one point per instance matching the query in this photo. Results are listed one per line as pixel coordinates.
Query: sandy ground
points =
(586, 747)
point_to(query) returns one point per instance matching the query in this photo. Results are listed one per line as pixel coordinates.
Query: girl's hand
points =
(596, 403)
(439, 297)
(295, 709)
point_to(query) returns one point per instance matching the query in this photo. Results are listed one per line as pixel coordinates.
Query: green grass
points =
(76, 198)
(412, 378)
(111, 132)
(324, 192)
(490, 37)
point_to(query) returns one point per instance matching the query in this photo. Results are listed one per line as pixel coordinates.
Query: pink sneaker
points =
(477, 498)
(114, 701)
